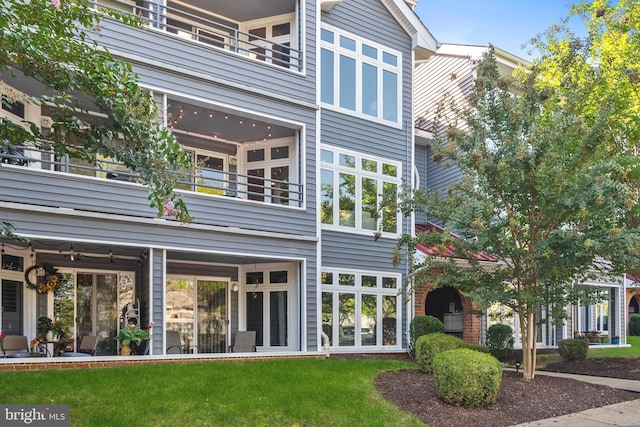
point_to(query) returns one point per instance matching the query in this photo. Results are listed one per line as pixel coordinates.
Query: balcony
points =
(262, 30)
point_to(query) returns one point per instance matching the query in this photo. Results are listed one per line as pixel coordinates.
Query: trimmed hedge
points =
(634, 325)
(428, 346)
(500, 341)
(466, 377)
(423, 325)
(573, 349)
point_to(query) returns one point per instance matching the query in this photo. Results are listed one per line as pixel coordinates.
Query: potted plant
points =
(615, 340)
(48, 329)
(128, 334)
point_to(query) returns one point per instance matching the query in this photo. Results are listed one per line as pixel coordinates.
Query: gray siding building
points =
(299, 117)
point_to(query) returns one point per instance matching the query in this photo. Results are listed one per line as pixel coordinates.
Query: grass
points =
(265, 393)
(633, 351)
(595, 352)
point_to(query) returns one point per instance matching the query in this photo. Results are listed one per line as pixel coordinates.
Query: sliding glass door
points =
(198, 309)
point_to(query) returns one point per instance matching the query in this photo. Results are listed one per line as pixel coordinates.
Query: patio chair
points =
(15, 346)
(87, 347)
(175, 346)
(243, 342)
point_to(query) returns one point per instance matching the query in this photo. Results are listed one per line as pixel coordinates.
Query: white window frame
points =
(358, 290)
(361, 59)
(359, 173)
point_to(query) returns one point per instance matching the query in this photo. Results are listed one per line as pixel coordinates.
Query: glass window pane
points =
(256, 184)
(369, 165)
(12, 262)
(326, 197)
(347, 43)
(280, 152)
(369, 282)
(327, 315)
(212, 317)
(257, 33)
(389, 320)
(347, 279)
(180, 308)
(389, 282)
(347, 201)
(254, 278)
(390, 211)
(369, 51)
(348, 161)
(368, 317)
(369, 90)
(326, 156)
(369, 204)
(327, 76)
(390, 59)
(326, 35)
(346, 313)
(390, 96)
(327, 278)
(389, 170)
(278, 318)
(347, 83)
(255, 315)
(279, 276)
(281, 30)
(255, 155)
(280, 185)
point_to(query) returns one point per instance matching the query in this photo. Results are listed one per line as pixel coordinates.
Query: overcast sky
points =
(506, 24)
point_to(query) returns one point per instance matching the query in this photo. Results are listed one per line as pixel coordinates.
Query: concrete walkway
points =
(625, 414)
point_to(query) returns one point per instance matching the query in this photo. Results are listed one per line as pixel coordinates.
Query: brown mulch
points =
(518, 401)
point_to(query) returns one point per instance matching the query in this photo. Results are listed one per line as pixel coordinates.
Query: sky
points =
(506, 24)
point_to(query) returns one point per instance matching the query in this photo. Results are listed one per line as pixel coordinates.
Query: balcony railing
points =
(201, 180)
(209, 32)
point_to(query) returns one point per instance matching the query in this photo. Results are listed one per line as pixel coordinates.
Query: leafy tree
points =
(52, 42)
(539, 190)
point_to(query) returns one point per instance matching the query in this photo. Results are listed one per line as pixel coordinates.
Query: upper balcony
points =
(266, 31)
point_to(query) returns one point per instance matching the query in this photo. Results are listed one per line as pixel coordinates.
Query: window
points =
(360, 309)
(270, 170)
(359, 76)
(359, 192)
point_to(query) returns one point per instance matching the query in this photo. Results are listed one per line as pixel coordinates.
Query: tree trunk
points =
(529, 338)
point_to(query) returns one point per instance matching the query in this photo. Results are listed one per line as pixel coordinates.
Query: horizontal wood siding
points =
(367, 136)
(167, 49)
(105, 196)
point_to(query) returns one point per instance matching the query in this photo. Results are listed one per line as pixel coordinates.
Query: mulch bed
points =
(518, 401)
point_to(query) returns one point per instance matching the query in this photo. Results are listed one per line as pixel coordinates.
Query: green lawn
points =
(263, 393)
(633, 351)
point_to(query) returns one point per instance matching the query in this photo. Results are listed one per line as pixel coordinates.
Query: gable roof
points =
(423, 42)
(448, 253)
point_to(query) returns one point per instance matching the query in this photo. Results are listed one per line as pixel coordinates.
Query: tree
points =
(540, 191)
(51, 42)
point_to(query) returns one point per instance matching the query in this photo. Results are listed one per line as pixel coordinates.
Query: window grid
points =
(369, 76)
(359, 310)
(353, 190)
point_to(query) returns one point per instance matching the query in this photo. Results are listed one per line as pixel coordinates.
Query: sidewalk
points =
(625, 414)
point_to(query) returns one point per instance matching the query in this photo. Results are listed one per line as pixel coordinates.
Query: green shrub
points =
(423, 325)
(634, 325)
(500, 341)
(477, 347)
(573, 349)
(429, 345)
(467, 378)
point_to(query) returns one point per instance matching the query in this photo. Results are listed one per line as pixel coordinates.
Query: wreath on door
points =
(49, 274)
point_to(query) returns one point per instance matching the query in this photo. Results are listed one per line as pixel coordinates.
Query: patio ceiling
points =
(242, 10)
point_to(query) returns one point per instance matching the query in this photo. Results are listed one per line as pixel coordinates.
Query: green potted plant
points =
(128, 334)
(48, 329)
